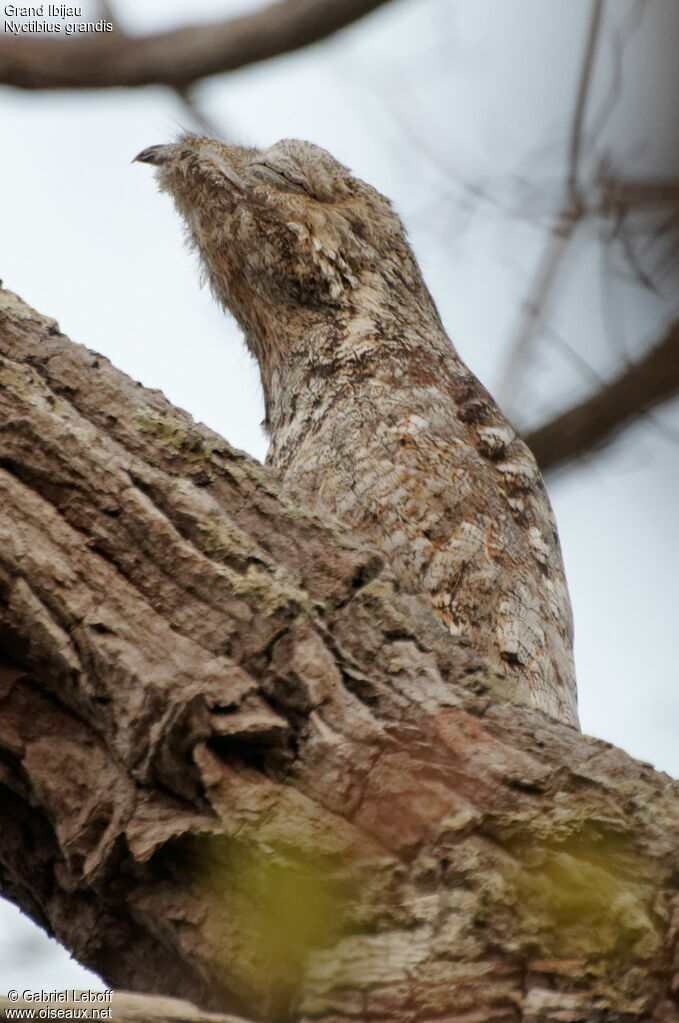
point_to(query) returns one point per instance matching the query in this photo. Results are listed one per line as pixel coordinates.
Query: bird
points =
(373, 418)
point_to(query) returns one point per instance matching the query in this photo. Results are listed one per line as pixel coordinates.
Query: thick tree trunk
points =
(238, 766)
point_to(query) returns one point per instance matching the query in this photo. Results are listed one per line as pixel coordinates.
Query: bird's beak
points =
(156, 154)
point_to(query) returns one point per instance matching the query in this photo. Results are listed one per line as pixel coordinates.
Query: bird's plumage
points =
(372, 415)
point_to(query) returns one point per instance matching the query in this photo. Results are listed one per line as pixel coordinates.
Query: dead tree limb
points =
(176, 58)
(238, 766)
(580, 430)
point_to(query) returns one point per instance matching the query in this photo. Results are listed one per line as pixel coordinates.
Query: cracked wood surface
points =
(240, 767)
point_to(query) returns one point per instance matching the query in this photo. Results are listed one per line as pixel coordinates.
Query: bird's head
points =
(282, 229)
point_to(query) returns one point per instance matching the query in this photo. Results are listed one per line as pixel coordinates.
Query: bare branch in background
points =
(646, 208)
(578, 127)
(535, 306)
(197, 117)
(175, 58)
(647, 382)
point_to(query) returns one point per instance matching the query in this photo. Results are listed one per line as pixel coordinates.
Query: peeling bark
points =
(239, 766)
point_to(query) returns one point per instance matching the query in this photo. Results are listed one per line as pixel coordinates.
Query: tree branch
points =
(582, 96)
(536, 304)
(650, 380)
(177, 58)
(237, 765)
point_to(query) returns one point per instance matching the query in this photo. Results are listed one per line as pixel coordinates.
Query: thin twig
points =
(534, 307)
(584, 87)
(186, 96)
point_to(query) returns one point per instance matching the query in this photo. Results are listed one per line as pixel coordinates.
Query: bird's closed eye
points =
(284, 179)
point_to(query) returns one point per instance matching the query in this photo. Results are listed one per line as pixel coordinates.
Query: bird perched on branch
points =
(372, 415)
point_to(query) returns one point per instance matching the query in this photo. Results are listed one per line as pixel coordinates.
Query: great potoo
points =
(372, 415)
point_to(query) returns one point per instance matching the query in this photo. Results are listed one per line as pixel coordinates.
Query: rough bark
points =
(239, 766)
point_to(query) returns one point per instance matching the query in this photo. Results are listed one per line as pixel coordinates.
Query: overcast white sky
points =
(423, 99)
